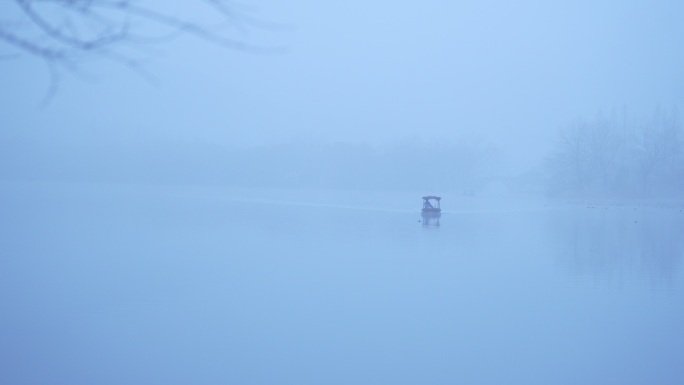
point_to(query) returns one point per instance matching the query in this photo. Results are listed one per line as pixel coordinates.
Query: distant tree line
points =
(409, 165)
(413, 164)
(619, 157)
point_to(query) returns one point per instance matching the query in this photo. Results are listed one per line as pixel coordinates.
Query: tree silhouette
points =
(605, 157)
(64, 32)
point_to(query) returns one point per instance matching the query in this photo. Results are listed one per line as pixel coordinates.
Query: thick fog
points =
(198, 194)
(375, 73)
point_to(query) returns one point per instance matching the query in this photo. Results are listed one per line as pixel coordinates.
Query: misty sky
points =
(373, 71)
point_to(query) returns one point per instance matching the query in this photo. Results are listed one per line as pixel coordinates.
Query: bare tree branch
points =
(61, 32)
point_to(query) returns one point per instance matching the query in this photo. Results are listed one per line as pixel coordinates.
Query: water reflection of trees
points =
(617, 244)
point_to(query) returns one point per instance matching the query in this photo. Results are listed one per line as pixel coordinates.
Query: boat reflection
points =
(431, 219)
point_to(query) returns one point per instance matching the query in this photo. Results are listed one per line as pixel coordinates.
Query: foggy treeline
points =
(411, 164)
(407, 165)
(611, 156)
(617, 156)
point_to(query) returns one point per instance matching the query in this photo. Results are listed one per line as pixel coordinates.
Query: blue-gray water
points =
(107, 284)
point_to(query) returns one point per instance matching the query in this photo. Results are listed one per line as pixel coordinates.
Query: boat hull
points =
(432, 210)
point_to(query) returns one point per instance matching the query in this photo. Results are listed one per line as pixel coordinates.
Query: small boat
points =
(431, 204)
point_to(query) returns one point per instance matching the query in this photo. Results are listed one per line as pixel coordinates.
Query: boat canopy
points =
(432, 197)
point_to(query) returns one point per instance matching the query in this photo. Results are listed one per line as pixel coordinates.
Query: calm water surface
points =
(166, 285)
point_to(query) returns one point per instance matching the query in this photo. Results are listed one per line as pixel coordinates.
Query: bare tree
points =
(659, 150)
(64, 32)
(606, 142)
(587, 157)
(607, 157)
(569, 163)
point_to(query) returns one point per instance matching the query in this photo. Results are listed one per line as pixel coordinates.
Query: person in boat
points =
(427, 204)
